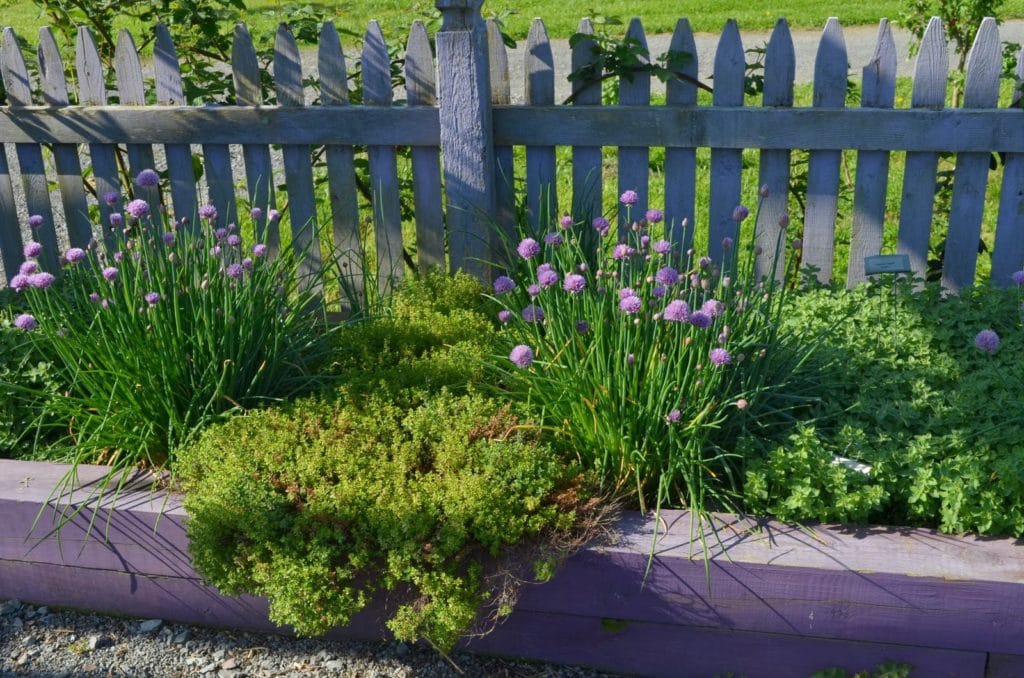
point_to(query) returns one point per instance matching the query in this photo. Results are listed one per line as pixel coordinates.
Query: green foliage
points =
(888, 669)
(937, 420)
(36, 381)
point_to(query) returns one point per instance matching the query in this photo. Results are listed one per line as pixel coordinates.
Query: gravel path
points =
(36, 641)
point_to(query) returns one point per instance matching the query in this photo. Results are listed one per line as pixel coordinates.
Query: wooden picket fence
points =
(463, 132)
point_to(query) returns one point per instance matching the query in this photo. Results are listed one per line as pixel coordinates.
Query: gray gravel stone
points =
(150, 625)
(100, 642)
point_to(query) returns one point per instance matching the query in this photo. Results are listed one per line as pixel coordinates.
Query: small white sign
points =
(887, 263)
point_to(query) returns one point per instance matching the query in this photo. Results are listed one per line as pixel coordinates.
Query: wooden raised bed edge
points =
(782, 602)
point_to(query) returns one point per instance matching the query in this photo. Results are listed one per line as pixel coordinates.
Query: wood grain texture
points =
(11, 243)
(726, 163)
(504, 156)
(587, 182)
(131, 91)
(541, 193)
(1008, 251)
(634, 161)
(169, 90)
(878, 90)
(259, 176)
(970, 178)
(681, 163)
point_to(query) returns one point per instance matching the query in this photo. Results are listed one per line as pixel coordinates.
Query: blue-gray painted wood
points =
(426, 165)
(65, 156)
(1008, 251)
(30, 156)
(919, 173)
(298, 166)
(541, 193)
(169, 90)
(259, 176)
(970, 178)
(131, 91)
(11, 243)
(726, 164)
(634, 162)
(504, 156)
(387, 216)
(878, 91)
(587, 184)
(773, 174)
(341, 178)
(467, 143)
(823, 166)
(220, 183)
(681, 163)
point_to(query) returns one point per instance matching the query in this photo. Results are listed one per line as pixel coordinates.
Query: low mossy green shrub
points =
(915, 394)
(26, 379)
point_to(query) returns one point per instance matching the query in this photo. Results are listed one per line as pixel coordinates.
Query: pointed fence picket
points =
(1008, 252)
(131, 91)
(634, 161)
(541, 195)
(169, 91)
(726, 163)
(504, 156)
(681, 163)
(587, 183)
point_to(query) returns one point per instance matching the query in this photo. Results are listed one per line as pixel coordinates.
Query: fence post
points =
(467, 138)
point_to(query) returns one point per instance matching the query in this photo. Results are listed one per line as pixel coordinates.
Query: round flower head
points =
(626, 292)
(75, 255)
(574, 283)
(645, 240)
(553, 238)
(116, 219)
(630, 305)
(713, 307)
(26, 322)
(147, 178)
(247, 264)
(1017, 278)
(533, 291)
(234, 271)
(677, 311)
(544, 267)
(259, 249)
(662, 246)
(41, 281)
(137, 208)
(582, 327)
(528, 248)
(118, 257)
(221, 233)
(727, 244)
(798, 244)
(700, 319)
(629, 198)
(630, 359)
(621, 251)
(110, 273)
(987, 341)
(659, 291)
(168, 238)
(704, 262)
(32, 249)
(28, 268)
(673, 417)
(521, 356)
(19, 283)
(547, 277)
(504, 316)
(234, 240)
(565, 221)
(94, 297)
(35, 221)
(533, 314)
(601, 225)
(152, 298)
(739, 213)
(784, 220)
(654, 216)
(111, 197)
(667, 276)
(719, 357)
(256, 213)
(208, 212)
(504, 284)
(273, 215)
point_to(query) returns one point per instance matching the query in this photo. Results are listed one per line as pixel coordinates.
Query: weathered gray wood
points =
(131, 91)
(426, 165)
(467, 134)
(779, 72)
(970, 179)
(634, 162)
(878, 91)
(10, 231)
(587, 184)
(341, 178)
(30, 156)
(681, 163)
(504, 156)
(65, 156)
(298, 166)
(823, 166)
(220, 183)
(179, 156)
(1008, 251)
(918, 202)
(726, 163)
(259, 175)
(541, 193)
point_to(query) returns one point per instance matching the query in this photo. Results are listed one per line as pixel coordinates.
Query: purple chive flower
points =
(739, 213)
(41, 281)
(630, 359)
(234, 271)
(110, 273)
(528, 248)
(35, 221)
(659, 291)
(533, 291)
(673, 417)
(704, 262)
(533, 314)
(273, 215)
(118, 257)
(987, 341)
(700, 319)
(26, 322)
(677, 311)
(713, 308)
(207, 212)
(654, 216)
(28, 268)
(720, 357)
(152, 298)
(630, 305)
(234, 240)
(147, 179)
(215, 251)
(75, 255)
(565, 221)
(111, 197)
(502, 284)
(621, 251)
(662, 246)
(105, 303)
(137, 208)
(667, 276)
(521, 356)
(19, 283)
(256, 213)
(553, 238)
(798, 244)
(727, 244)
(504, 317)
(1018, 278)
(168, 238)
(544, 267)
(645, 240)
(582, 327)
(116, 219)
(574, 283)
(220, 233)
(601, 225)
(629, 198)
(259, 249)
(247, 264)
(547, 277)
(32, 249)
(626, 292)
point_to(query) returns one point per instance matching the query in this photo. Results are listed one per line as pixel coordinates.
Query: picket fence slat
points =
(970, 179)
(823, 166)
(65, 156)
(341, 178)
(541, 195)
(30, 156)
(259, 175)
(383, 163)
(426, 162)
(918, 202)
(1008, 251)
(878, 90)
(726, 163)
(779, 74)
(11, 243)
(504, 155)
(634, 162)
(681, 163)
(587, 182)
(220, 183)
(169, 90)
(131, 91)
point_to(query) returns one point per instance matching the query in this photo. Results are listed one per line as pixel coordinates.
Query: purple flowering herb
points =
(645, 240)
(147, 179)
(626, 292)
(152, 298)
(621, 251)
(35, 221)
(273, 215)
(105, 304)
(504, 316)
(256, 213)
(215, 251)
(553, 238)
(19, 283)
(713, 307)
(75, 255)
(719, 357)
(798, 244)
(137, 208)
(118, 257)
(94, 297)
(110, 273)
(207, 212)
(221, 233)
(700, 320)
(662, 246)
(630, 305)
(654, 216)
(565, 221)
(629, 198)
(533, 314)
(116, 219)
(547, 277)
(673, 417)
(32, 249)
(544, 267)
(601, 225)
(739, 213)
(234, 271)
(574, 283)
(26, 322)
(502, 284)
(28, 268)
(704, 262)
(234, 240)
(582, 327)
(247, 264)
(259, 250)
(784, 220)
(667, 276)
(630, 359)
(1017, 278)
(727, 244)
(168, 238)
(987, 341)
(111, 197)
(521, 356)
(677, 311)
(533, 291)
(528, 248)
(40, 281)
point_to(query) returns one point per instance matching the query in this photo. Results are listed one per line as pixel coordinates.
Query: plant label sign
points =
(887, 263)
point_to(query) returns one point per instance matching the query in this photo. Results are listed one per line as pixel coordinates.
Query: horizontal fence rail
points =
(455, 116)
